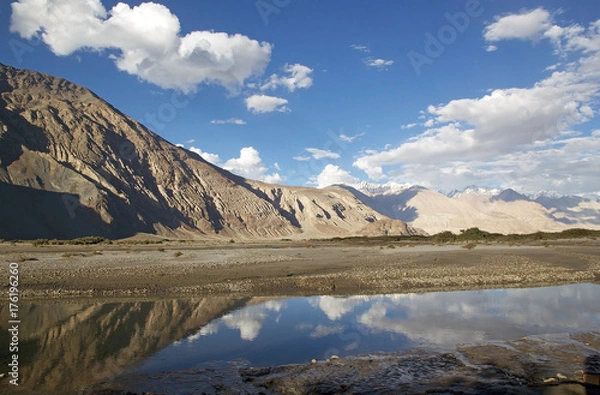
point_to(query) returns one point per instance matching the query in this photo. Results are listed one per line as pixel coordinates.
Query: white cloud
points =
(233, 121)
(350, 139)
(322, 154)
(299, 78)
(324, 331)
(381, 64)
(274, 178)
(144, 41)
(301, 158)
(263, 103)
(518, 137)
(361, 48)
(333, 175)
(250, 165)
(523, 26)
(491, 48)
(336, 307)
(212, 158)
(190, 141)
(408, 126)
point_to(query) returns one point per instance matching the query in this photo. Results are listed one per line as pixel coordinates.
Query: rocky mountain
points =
(493, 210)
(72, 165)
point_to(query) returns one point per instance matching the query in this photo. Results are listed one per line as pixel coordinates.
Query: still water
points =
(68, 345)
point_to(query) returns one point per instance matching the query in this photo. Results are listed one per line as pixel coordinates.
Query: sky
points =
(442, 94)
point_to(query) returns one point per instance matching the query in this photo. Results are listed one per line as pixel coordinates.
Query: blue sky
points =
(443, 94)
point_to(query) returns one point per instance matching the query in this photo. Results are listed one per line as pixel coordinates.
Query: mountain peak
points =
(509, 195)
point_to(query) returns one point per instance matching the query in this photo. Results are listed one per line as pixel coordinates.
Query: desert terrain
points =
(295, 267)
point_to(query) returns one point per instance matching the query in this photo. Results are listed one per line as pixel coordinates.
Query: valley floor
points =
(286, 268)
(294, 267)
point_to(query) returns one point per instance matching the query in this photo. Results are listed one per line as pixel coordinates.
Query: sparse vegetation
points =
(472, 235)
(88, 240)
(177, 254)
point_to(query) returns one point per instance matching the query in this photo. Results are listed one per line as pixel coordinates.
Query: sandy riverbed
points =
(294, 268)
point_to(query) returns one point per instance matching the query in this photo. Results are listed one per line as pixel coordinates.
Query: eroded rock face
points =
(72, 165)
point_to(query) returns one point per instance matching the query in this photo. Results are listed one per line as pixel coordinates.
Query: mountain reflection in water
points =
(67, 345)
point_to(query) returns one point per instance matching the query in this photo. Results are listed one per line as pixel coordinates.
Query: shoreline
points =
(294, 268)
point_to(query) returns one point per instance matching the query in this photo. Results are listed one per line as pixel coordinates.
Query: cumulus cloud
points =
(300, 77)
(333, 175)
(250, 320)
(335, 307)
(250, 165)
(262, 104)
(519, 137)
(322, 154)
(380, 64)
(233, 121)
(212, 158)
(144, 41)
(524, 26)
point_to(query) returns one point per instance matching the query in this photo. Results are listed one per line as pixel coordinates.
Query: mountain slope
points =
(73, 165)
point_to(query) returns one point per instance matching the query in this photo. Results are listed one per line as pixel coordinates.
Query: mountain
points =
(72, 165)
(493, 210)
(571, 210)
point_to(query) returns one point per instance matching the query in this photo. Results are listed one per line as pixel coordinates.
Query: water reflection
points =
(66, 346)
(296, 330)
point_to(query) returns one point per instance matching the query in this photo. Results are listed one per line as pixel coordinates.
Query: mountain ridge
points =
(72, 165)
(491, 209)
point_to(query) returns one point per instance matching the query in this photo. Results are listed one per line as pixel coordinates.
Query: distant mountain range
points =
(494, 210)
(72, 165)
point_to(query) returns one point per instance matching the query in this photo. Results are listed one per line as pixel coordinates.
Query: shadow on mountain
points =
(28, 213)
(29, 136)
(394, 206)
(576, 218)
(66, 346)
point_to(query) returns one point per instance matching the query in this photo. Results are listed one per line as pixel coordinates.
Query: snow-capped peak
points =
(475, 190)
(388, 188)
